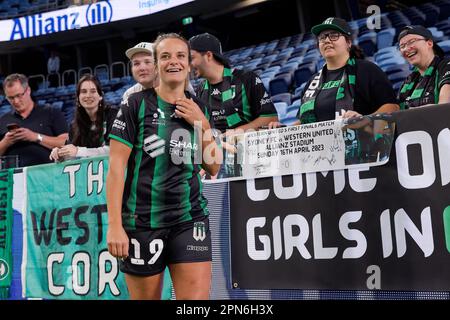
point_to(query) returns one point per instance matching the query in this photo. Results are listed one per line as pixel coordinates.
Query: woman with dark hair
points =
(429, 82)
(347, 85)
(157, 215)
(88, 134)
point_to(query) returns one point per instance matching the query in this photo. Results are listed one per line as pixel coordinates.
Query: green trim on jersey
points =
(269, 115)
(112, 136)
(131, 203)
(161, 165)
(245, 105)
(201, 198)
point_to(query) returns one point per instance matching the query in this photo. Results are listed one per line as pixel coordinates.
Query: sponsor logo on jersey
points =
(265, 99)
(159, 117)
(181, 145)
(199, 231)
(118, 124)
(190, 247)
(216, 92)
(154, 145)
(217, 113)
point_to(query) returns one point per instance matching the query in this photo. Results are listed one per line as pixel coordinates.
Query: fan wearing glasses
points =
(429, 82)
(347, 85)
(29, 131)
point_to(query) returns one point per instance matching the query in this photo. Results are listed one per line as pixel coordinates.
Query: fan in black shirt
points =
(429, 82)
(346, 85)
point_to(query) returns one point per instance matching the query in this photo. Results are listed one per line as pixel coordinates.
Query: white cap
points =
(145, 47)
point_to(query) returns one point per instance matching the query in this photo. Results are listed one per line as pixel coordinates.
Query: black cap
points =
(424, 32)
(333, 23)
(207, 42)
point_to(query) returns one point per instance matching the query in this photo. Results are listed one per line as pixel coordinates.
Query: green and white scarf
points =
(6, 223)
(344, 96)
(419, 90)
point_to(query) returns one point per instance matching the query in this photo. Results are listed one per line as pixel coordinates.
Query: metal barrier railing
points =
(102, 70)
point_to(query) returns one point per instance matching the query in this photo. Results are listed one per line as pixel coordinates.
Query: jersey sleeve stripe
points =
(111, 136)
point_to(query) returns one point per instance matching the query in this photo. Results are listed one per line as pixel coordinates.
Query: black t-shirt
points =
(44, 120)
(372, 90)
(237, 100)
(430, 94)
(109, 114)
(160, 190)
(327, 96)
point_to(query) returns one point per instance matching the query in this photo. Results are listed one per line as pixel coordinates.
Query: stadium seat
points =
(396, 68)
(289, 117)
(385, 38)
(304, 73)
(282, 97)
(399, 76)
(280, 84)
(367, 42)
(57, 105)
(445, 45)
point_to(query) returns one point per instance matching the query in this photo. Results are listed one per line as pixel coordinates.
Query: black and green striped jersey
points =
(239, 99)
(162, 186)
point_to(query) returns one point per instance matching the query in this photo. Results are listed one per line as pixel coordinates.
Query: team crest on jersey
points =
(159, 117)
(154, 145)
(199, 231)
(4, 269)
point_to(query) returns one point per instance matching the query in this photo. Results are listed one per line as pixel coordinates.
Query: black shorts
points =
(150, 251)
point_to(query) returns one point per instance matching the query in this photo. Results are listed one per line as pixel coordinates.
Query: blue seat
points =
(304, 73)
(57, 105)
(431, 14)
(385, 38)
(282, 97)
(437, 34)
(368, 42)
(386, 53)
(444, 8)
(298, 91)
(289, 117)
(395, 60)
(396, 86)
(396, 68)
(445, 45)
(281, 108)
(280, 84)
(399, 76)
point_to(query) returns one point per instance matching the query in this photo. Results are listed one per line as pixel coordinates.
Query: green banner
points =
(6, 221)
(65, 225)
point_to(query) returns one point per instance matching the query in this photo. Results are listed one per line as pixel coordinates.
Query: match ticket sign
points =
(321, 146)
